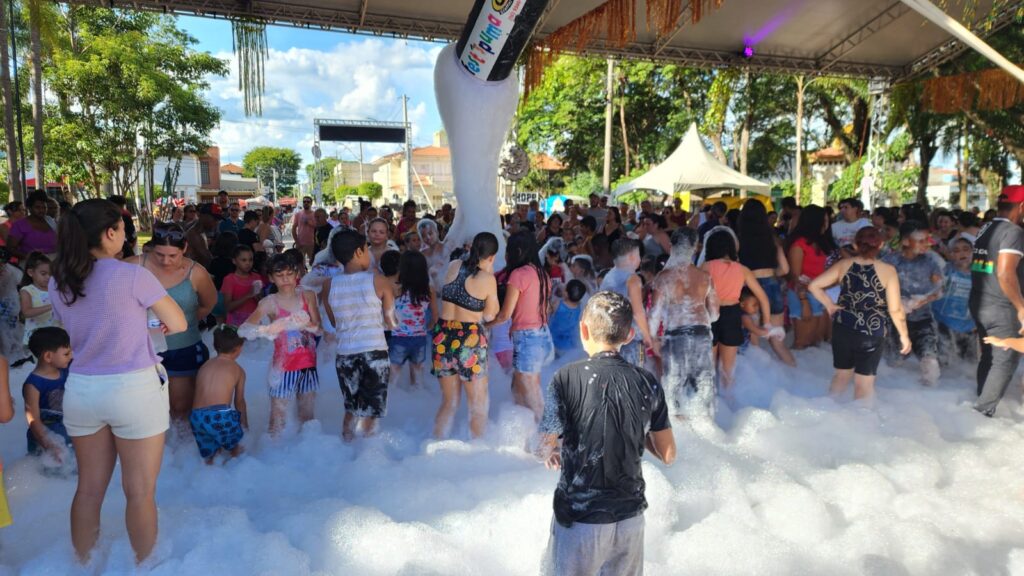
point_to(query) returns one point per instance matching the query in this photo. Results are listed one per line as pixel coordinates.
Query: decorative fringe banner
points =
(992, 89)
(249, 42)
(617, 18)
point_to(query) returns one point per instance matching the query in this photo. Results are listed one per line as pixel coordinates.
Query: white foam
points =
(793, 482)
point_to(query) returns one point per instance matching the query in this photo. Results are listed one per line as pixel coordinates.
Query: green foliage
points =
(788, 188)
(129, 86)
(343, 190)
(848, 184)
(262, 161)
(583, 184)
(634, 174)
(325, 166)
(565, 115)
(371, 190)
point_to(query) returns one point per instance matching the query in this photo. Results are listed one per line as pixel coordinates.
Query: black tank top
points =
(862, 301)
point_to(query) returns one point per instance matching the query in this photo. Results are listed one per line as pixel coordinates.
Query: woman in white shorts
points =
(115, 400)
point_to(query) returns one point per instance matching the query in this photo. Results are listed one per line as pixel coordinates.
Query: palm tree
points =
(13, 176)
(36, 45)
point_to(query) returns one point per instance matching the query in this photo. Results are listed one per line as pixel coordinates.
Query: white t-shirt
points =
(844, 232)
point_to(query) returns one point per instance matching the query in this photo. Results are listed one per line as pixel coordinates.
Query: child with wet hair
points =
(597, 440)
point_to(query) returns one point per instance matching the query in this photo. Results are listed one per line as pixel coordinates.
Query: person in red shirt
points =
(408, 220)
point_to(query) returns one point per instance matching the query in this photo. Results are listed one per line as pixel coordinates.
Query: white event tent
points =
(691, 167)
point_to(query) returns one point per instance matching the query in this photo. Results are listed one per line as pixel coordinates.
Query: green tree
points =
(583, 184)
(342, 191)
(128, 86)
(262, 161)
(371, 190)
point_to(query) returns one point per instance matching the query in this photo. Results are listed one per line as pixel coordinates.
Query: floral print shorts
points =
(459, 348)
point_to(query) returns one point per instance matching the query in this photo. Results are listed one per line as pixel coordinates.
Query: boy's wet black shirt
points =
(603, 408)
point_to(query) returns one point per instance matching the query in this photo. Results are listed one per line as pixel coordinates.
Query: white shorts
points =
(134, 404)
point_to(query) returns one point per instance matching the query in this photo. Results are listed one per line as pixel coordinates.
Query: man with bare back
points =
(685, 305)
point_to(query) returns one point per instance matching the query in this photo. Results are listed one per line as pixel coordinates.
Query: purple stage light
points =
(748, 51)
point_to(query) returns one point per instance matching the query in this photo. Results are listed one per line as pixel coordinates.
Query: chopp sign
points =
(489, 34)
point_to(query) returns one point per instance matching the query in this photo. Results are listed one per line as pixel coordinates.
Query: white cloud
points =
(356, 79)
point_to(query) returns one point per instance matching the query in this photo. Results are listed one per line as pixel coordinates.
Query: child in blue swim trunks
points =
(215, 424)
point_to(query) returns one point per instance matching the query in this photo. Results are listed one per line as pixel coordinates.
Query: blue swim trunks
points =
(216, 427)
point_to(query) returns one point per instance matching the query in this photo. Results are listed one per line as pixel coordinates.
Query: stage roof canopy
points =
(869, 38)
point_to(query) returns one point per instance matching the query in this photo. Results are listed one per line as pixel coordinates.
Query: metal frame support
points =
(892, 13)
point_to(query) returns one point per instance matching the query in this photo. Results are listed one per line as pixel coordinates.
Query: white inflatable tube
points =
(477, 115)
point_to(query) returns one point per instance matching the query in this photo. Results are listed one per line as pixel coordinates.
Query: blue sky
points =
(316, 74)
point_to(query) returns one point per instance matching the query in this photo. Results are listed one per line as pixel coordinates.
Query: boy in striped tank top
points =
(359, 303)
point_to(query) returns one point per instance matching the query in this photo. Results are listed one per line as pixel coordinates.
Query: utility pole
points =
(273, 173)
(798, 172)
(360, 162)
(408, 149)
(610, 85)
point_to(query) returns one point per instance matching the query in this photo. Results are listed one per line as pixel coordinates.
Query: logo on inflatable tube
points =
(501, 6)
(495, 35)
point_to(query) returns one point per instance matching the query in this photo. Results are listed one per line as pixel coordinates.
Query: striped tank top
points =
(357, 313)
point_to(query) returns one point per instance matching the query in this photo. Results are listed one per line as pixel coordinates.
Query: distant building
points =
(353, 173)
(196, 174)
(826, 165)
(432, 174)
(944, 189)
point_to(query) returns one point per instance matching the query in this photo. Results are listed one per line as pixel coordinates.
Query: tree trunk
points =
(961, 164)
(37, 90)
(716, 143)
(926, 152)
(10, 139)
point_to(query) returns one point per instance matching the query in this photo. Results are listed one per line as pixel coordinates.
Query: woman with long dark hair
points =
(115, 400)
(761, 251)
(192, 288)
(809, 247)
(526, 303)
(469, 298)
(729, 278)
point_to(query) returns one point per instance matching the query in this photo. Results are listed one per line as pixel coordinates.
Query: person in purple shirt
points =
(34, 232)
(115, 400)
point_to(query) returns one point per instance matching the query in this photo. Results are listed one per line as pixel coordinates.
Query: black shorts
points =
(728, 329)
(856, 351)
(364, 382)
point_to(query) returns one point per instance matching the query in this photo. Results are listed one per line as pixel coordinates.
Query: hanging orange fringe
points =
(617, 18)
(992, 89)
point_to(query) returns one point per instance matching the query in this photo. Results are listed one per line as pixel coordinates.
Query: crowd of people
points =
(659, 301)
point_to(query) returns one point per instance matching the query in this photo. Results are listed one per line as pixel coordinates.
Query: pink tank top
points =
(727, 277)
(294, 349)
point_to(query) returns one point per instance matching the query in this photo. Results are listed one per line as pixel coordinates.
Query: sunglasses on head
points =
(172, 235)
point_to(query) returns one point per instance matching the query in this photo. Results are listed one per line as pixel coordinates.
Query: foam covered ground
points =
(792, 482)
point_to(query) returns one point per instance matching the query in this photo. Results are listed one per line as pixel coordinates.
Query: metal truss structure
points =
(838, 59)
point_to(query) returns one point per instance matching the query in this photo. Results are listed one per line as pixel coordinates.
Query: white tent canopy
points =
(691, 167)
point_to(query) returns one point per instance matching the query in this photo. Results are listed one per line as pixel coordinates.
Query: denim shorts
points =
(773, 289)
(796, 308)
(185, 361)
(531, 350)
(412, 349)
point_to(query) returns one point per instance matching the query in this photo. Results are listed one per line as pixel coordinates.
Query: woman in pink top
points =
(809, 247)
(115, 399)
(526, 303)
(729, 277)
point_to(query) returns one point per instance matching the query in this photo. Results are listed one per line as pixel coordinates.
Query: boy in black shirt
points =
(599, 415)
